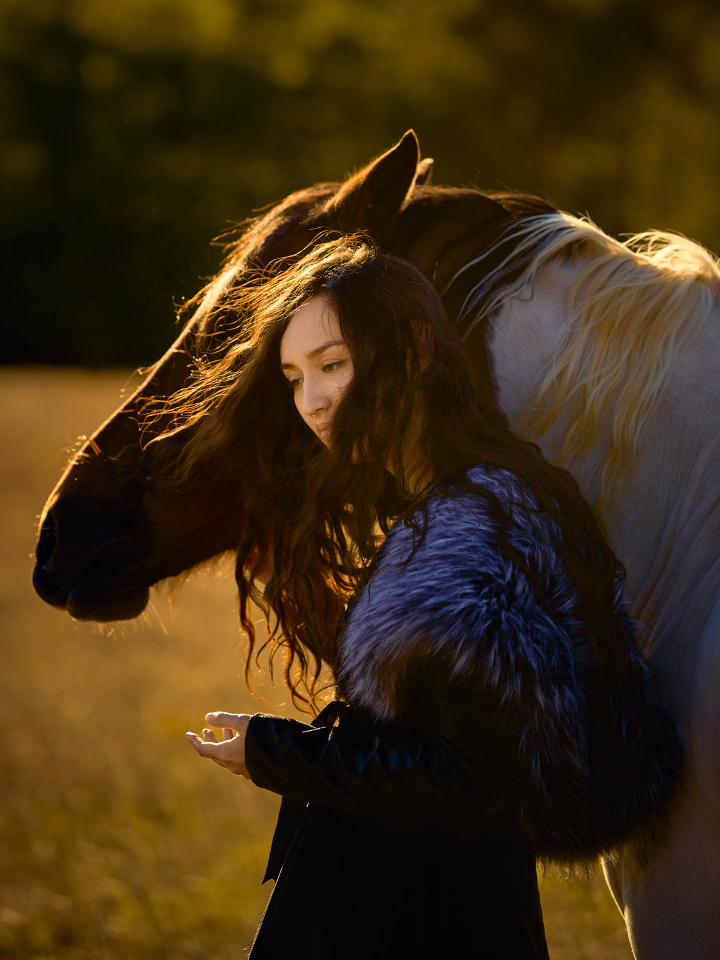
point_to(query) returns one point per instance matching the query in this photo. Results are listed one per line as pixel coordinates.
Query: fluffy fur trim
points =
(600, 763)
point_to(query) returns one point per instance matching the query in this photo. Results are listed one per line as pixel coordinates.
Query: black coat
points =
(477, 733)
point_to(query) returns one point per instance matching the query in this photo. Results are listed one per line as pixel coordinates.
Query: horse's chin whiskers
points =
(169, 590)
(121, 629)
(149, 614)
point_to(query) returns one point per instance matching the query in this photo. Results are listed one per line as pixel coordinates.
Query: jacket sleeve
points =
(469, 767)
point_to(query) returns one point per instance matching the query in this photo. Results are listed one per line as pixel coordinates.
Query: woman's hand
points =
(230, 751)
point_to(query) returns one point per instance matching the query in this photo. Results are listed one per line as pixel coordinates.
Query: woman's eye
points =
(333, 365)
(294, 384)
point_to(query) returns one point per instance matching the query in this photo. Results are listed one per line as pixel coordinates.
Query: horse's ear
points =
(371, 198)
(424, 172)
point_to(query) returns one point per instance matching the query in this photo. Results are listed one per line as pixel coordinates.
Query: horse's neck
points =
(665, 525)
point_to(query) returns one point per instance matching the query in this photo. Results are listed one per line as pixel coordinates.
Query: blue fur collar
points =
(457, 596)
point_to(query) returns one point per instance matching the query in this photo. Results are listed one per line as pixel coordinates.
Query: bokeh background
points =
(132, 134)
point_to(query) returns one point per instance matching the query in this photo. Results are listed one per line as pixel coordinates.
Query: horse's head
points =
(114, 526)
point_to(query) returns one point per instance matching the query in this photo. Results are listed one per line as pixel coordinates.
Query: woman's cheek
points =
(343, 385)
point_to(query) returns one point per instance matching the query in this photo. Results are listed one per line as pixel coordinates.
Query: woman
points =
(492, 703)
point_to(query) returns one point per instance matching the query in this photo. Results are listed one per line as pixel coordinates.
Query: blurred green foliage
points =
(133, 131)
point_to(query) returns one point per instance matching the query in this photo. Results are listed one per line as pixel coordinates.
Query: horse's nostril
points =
(47, 540)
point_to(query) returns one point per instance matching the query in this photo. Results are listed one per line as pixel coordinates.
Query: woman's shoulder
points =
(483, 494)
(507, 486)
(455, 532)
(445, 584)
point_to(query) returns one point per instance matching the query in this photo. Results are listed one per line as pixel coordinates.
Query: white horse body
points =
(665, 526)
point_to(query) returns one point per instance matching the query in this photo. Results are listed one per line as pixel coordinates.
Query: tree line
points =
(132, 133)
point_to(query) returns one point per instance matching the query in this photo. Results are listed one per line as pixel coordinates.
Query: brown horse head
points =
(114, 526)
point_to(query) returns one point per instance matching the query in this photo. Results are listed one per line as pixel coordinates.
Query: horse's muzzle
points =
(91, 583)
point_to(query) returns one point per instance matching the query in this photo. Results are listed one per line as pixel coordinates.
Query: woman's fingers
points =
(235, 721)
(208, 746)
(228, 752)
(202, 747)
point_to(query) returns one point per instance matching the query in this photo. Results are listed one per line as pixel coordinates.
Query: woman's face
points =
(317, 363)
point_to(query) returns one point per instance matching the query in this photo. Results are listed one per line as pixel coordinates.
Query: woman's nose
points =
(314, 398)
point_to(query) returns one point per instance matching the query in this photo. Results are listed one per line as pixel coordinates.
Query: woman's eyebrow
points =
(316, 352)
(323, 346)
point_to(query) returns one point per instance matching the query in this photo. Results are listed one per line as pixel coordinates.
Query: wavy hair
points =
(317, 513)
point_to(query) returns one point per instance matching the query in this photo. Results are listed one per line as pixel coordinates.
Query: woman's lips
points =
(323, 430)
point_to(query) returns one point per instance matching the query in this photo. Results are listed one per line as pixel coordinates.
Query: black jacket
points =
(478, 733)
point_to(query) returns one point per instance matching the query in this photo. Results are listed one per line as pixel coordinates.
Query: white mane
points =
(633, 307)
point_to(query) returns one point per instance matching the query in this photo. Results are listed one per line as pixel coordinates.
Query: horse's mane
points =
(280, 219)
(245, 241)
(632, 308)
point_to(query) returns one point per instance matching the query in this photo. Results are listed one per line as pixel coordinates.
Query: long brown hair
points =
(317, 513)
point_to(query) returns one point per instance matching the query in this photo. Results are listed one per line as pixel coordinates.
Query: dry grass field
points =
(116, 840)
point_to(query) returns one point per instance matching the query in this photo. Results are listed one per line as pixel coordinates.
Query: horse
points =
(606, 354)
